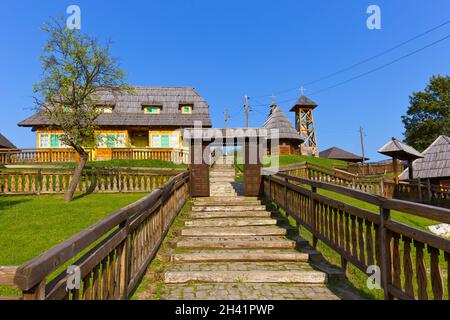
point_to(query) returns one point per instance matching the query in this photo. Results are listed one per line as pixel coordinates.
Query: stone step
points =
(229, 214)
(230, 173)
(233, 231)
(238, 256)
(225, 199)
(227, 203)
(228, 208)
(231, 222)
(252, 272)
(220, 179)
(248, 242)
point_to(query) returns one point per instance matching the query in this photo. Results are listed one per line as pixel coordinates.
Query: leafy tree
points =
(76, 68)
(428, 115)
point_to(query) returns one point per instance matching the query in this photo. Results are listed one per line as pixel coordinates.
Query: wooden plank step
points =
(228, 214)
(238, 256)
(227, 208)
(246, 242)
(231, 222)
(233, 231)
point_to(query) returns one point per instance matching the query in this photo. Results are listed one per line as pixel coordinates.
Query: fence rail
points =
(119, 249)
(11, 156)
(416, 191)
(174, 155)
(54, 182)
(54, 155)
(365, 238)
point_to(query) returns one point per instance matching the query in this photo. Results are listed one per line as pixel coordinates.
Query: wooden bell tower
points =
(304, 123)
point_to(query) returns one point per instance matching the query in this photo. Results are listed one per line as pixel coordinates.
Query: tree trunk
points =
(76, 175)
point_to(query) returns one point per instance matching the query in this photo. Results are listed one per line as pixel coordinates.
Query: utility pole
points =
(361, 135)
(246, 110)
(226, 116)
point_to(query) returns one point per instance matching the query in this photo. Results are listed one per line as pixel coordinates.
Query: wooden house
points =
(435, 164)
(289, 139)
(5, 143)
(150, 118)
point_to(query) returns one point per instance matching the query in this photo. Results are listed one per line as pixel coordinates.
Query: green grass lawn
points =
(117, 163)
(292, 160)
(30, 225)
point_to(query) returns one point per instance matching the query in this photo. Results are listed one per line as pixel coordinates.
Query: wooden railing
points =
(365, 239)
(51, 182)
(371, 184)
(377, 185)
(174, 155)
(374, 168)
(11, 156)
(7, 275)
(119, 249)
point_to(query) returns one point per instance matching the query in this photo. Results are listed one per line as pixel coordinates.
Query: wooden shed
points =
(435, 164)
(340, 154)
(289, 139)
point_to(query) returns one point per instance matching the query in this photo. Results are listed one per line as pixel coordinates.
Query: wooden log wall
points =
(414, 264)
(54, 182)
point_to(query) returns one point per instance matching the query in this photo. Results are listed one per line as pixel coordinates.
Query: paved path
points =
(230, 247)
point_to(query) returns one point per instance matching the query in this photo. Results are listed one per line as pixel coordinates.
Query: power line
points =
(352, 66)
(373, 70)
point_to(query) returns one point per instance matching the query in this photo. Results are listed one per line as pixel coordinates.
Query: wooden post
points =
(285, 195)
(313, 216)
(385, 252)
(419, 189)
(124, 264)
(35, 293)
(39, 181)
(394, 170)
(382, 187)
(430, 194)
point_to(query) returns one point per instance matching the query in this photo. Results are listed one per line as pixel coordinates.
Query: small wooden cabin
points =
(340, 154)
(435, 165)
(289, 139)
(148, 118)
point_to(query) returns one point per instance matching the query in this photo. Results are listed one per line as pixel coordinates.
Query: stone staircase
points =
(231, 241)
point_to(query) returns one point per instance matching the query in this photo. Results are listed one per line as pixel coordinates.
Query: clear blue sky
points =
(227, 49)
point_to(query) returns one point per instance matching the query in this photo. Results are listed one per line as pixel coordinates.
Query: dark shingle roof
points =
(435, 163)
(304, 101)
(5, 143)
(400, 150)
(128, 108)
(339, 154)
(278, 120)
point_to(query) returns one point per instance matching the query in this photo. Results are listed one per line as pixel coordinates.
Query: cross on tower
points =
(273, 99)
(302, 90)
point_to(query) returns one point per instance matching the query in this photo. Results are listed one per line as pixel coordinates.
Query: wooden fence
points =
(174, 155)
(53, 155)
(364, 238)
(115, 252)
(11, 156)
(53, 182)
(416, 191)
(374, 168)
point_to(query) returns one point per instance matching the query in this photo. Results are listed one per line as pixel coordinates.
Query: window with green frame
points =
(186, 109)
(51, 140)
(165, 140)
(111, 140)
(152, 109)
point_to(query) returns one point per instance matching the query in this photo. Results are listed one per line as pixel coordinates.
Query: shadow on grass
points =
(6, 204)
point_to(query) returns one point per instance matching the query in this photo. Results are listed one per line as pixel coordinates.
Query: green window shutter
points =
(54, 141)
(111, 140)
(165, 141)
